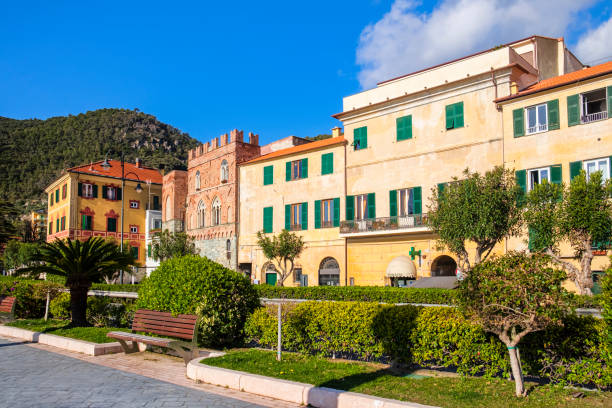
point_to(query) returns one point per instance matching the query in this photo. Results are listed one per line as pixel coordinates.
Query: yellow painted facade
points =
(321, 243)
(66, 215)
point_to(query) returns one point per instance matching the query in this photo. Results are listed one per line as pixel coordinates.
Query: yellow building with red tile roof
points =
(86, 201)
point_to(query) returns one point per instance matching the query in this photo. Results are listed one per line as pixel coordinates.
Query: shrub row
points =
(432, 337)
(101, 311)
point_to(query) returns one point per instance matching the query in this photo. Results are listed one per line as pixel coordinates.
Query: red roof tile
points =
(300, 148)
(144, 173)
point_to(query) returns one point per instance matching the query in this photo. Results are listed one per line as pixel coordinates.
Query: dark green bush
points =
(193, 285)
(101, 311)
(29, 306)
(115, 287)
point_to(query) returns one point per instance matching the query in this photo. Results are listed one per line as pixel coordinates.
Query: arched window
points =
(329, 272)
(224, 171)
(197, 180)
(216, 212)
(201, 215)
(228, 245)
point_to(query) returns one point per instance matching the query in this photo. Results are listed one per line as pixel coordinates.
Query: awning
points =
(401, 267)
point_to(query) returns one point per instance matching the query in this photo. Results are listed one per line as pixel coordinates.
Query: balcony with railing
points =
(543, 127)
(594, 117)
(383, 225)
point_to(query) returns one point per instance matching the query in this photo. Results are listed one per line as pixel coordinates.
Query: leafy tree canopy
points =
(168, 245)
(281, 249)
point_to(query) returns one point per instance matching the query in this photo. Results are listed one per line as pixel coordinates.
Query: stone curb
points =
(291, 391)
(66, 343)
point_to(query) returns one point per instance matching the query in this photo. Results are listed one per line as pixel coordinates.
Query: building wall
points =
(254, 196)
(174, 196)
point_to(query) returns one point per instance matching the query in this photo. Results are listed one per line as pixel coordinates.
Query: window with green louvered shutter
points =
(372, 205)
(337, 212)
(51, 199)
(51, 228)
(553, 114)
(556, 174)
(104, 192)
(573, 110)
(57, 195)
(288, 217)
(404, 128)
(521, 181)
(518, 119)
(57, 225)
(459, 115)
(441, 187)
(267, 220)
(575, 168)
(304, 165)
(350, 208)
(454, 116)
(304, 216)
(609, 90)
(418, 202)
(317, 214)
(111, 224)
(268, 175)
(327, 163)
(288, 171)
(393, 203)
(360, 138)
(95, 191)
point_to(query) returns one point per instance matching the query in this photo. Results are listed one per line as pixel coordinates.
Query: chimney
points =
(513, 88)
(138, 163)
(337, 131)
(253, 139)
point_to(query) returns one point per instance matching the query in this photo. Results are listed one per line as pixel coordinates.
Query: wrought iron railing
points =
(537, 128)
(384, 224)
(594, 117)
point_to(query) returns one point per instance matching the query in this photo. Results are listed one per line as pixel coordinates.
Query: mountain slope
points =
(34, 152)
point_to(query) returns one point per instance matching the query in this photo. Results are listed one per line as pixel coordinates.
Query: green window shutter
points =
(610, 102)
(575, 168)
(134, 251)
(521, 181)
(327, 163)
(84, 222)
(337, 212)
(104, 191)
(518, 119)
(450, 116)
(553, 114)
(51, 198)
(288, 171)
(350, 208)
(149, 250)
(111, 224)
(288, 217)
(360, 136)
(304, 164)
(57, 225)
(95, 191)
(556, 176)
(51, 228)
(459, 115)
(267, 219)
(404, 128)
(317, 214)
(120, 194)
(80, 189)
(57, 195)
(156, 205)
(573, 110)
(418, 201)
(441, 187)
(304, 216)
(393, 203)
(268, 175)
(372, 205)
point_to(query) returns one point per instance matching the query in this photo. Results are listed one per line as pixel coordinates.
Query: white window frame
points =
(87, 190)
(405, 198)
(133, 229)
(597, 162)
(537, 128)
(596, 116)
(530, 186)
(111, 193)
(134, 204)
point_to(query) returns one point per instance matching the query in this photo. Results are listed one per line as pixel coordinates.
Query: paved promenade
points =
(35, 375)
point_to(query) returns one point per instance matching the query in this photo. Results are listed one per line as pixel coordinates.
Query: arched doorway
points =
(269, 274)
(444, 265)
(329, 272)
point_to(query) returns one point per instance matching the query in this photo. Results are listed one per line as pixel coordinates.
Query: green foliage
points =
(542, 212)
(168, 245)
(321, 136)
(481, 209)
(38, 150)
(19, 254)
(280, 249)
(63, 328)
(192, 285)
(28, 304)
(8, 215)
(60, 307)
(606, 301)
(115, 287)
(101, 311)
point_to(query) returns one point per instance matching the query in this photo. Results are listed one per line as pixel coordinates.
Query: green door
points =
(271, 278)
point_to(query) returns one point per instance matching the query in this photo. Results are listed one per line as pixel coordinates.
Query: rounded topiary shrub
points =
(222, 298)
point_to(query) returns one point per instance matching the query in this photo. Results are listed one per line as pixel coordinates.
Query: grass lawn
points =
(60, 328)
(377, 379)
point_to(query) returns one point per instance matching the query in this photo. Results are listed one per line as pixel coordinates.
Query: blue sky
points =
(272, 68)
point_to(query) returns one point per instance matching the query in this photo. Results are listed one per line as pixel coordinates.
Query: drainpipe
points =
(345, 239)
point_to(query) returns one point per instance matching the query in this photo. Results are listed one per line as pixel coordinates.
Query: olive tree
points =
(168, 245)
(513, 295)
(478, 209)
(281, 250)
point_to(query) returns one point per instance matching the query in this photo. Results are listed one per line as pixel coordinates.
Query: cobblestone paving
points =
(33, 376)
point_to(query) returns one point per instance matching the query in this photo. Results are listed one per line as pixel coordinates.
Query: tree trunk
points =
(78, 306)
(585, 281)
(517, 372)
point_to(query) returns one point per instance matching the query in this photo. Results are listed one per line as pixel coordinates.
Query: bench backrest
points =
(7, 304)
(164, 324)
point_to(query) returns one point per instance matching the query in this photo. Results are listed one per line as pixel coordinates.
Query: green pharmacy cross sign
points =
(414, 253)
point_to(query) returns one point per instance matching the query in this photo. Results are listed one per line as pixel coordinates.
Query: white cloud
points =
(404, 40)
(595, 47)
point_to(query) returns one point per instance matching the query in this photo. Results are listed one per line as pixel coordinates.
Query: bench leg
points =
(185, 350)
(129, 349)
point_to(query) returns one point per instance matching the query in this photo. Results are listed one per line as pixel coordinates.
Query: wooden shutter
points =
(575, 168)
(80, 189)
(573, 110)
(288, 217)
(51, 198)
(268, 175)
(317, 214)
(372, 205)
(337, 212)
(393, 203)
(356, 138)
(304, 216)
(327, 163)
(304, 164)
(404, 128)
(553, 114)
(459, 115)
(104, 192)
(267, 219)
(609, 89)
(57, 225)
(450, 116)
(556, 176)
(57, 195)
(518, 119)
(95, 191)
(120, 194)
(350, 208)
(288, 171)
(418, 201)
(441, 187)
(364, 138)
(521, 181)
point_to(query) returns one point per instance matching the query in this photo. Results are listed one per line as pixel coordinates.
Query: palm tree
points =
(81, 263)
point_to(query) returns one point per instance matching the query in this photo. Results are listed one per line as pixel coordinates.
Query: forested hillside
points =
(34, 152)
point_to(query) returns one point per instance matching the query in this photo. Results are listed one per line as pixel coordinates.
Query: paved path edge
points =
(290, 391)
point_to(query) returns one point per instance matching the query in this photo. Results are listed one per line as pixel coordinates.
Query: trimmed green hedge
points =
(115, 287)
(433, 337)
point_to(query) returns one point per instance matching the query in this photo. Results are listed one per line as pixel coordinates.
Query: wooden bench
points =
(164, 324)
(7, 307)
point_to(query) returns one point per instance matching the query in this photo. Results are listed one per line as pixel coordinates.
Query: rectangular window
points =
(454, 116)
(296, 169)
(87, 190)
(156, 205)
(404, 128)
(360, 138)
(594, 106)
(50, 227)
(134, 204)
(86, 223)
(406, 202)
(134, 229)
(51, 199)
(537, 119)
(63, 223)
(267, 219)
(603, 165)
(57, 195)
(537, 176)
(64, 191)
(327, 163)
(157, 224)
(57, 225)
(111, 224)
(296, 217)
(268, 175)
(134, 252)
(361, 204)
(327, 213)
(110, 193)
